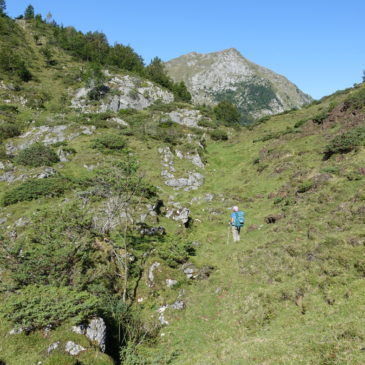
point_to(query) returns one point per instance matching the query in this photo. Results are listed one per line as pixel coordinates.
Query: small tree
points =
(363, 76)
(156, 72)
(227, 112)
(181, 92)
(29, 12)
(2, 6)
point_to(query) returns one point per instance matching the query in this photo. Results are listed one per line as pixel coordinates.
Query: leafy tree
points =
(227, 112)
(2, 6)
(155, 71)
(29, 12)
(125, 58)
(363, 76)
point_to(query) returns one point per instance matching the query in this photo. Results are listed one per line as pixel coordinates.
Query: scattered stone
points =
(209, 197)
(80, 329)
(53, 347)
(151, 275)
(119, 121)
(73, 349)
(182, 216)
(153, 231)
(179, 305)
(46, 173)
(16, 331)
(196, 243)
(192, 182)
(161, 317)
(171, 283)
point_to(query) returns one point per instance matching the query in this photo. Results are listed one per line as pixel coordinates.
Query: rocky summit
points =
(227, 75)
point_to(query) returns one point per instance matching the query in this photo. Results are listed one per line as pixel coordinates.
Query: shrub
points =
(305, 186)
(109, 141)
(356, 101)
(319, 118)
(175, 252)
(206, 123)
(37, 155)
(346, 142)
(299, 123)
(35, 189)
(9, 130)
(39, 306)
(227, 112)
(331, 170)
(219, 135)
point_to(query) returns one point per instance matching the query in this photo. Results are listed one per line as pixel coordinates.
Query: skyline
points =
(319, 47)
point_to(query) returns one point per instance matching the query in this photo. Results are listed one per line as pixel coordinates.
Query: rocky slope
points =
(227, 75)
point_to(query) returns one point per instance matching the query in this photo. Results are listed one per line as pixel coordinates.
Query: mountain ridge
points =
(227, 75)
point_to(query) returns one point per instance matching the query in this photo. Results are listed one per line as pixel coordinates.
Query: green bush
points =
(331, 170)
(219, 135)
(37, 155)
(110, 142)
(356, 101)
(36, 307)
(9, 130)
(346, 142)
(35, 189)
(319, 118)
(299, 123)
(305, 186)
(175, 253)
(206, 123)
(227, 112)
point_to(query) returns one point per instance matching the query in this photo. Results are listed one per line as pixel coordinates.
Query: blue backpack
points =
(239, 219)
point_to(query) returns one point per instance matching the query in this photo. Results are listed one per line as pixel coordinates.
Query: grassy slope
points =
(250, 310)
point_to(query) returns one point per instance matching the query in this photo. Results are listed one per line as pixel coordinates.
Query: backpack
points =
(239, 219)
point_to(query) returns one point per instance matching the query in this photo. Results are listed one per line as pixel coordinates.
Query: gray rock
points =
(186, 117)
(179, 304)
(53, 347)
(192, 182)
(16, 331)
(46, 173)
(209, 197)
(182, 215)
(2, 166)
(151, 275)
(161, 317)
(96, 332)
(73, 349)
(120, 122)
(189, 272)
(21, 222)
(171, 283)
(80, 329)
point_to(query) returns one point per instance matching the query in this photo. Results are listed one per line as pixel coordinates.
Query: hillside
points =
(227, 75)
(115, 196)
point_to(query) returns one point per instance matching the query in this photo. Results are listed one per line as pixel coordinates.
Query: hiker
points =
(237, 221)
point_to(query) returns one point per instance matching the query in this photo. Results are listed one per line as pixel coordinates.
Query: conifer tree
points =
(2, 6)
(29, 12)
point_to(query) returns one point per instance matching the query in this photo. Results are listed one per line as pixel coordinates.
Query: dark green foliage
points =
(305, 186)
(2, 6)
(175, 252)
(36, 307)
(57, 250)
(346, 142)
(155, 71)
(319, 118)
(227, 112)
(97, 92)
(48, 55)
(356, 101)
(9, 130)
(219, 135)
(109, 142)
(93, 75)
(29, 12)
(125, 58)
(299, 123)
(181, 92)
(35, 189)
(37, 155)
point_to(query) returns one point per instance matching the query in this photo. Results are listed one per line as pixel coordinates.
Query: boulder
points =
(171, 283)
(96, 332)
(53, 347)
(73, 349)
(151, 275)
(186, 117)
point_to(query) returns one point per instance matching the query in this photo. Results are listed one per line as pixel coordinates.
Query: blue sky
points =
(319, 45)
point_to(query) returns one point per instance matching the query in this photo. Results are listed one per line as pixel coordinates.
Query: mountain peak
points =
(227, 75)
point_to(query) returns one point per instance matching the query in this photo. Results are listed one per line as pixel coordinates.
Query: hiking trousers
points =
(236, 233)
